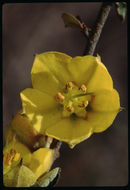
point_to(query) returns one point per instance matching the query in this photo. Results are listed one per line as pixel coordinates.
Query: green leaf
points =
(26, 177)
(121, 8)
(71, 21)
(50, 178)
(10, 178)
(19, 176)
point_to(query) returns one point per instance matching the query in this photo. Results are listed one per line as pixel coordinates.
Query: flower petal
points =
(41, 108)
(49, 72)
(70, 131)
(24, 130)
(34, 100)
(100, 79)
(105, 100)
(41, 161)
(101, 120)
(105, 106)
(90, 71)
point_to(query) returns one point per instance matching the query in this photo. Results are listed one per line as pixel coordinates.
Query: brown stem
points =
(57, 148)
(96, 32)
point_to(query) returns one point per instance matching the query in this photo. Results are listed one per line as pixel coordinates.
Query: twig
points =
(96, 32)
(58, 145)
(57, 148)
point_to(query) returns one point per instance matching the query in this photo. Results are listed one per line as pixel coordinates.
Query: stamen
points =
(69, 107)
(74, 100)
(69, 85)
(59, 97)
(16, 157)
(83, 88)
(79, 95)
(84, 104)
(10, 157)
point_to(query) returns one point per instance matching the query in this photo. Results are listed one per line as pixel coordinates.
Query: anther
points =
(83, 88)
(59, 97)
(69, 85)
(69, 107)
(16, 157)
(84, 104)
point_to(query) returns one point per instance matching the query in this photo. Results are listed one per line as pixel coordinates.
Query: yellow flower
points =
(13, 152)
(38, 161)
(71, 98)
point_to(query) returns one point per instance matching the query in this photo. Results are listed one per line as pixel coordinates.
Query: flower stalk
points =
(57, 149)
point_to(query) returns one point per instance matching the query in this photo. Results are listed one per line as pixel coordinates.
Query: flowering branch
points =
(93, 37)
(96, 32)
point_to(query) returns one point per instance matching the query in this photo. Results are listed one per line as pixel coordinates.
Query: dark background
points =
(102, 160)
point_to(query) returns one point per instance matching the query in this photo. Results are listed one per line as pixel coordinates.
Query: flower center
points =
(74, 100)
(10, 157)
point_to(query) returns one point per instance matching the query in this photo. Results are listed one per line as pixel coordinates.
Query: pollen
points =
(83, 88)
(60, 97)
(69, 107)
(84, 104)
(69, 85)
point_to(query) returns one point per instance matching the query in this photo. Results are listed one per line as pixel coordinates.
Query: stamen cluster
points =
(11, 157)
(74, 100)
